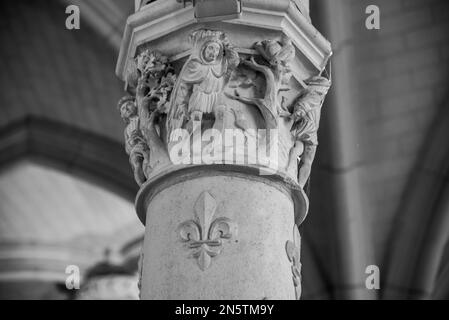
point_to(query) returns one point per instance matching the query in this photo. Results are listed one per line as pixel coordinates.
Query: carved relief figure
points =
(306, 118)
(214, 81)
(153, 79)
(203, 77)
(135, 144)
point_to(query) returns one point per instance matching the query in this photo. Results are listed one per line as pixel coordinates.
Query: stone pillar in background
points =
(221, 130)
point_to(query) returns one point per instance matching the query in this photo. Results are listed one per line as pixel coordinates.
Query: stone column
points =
(221, 129)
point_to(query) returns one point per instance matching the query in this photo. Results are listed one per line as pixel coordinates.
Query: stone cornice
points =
(162, 18)
(172, 176)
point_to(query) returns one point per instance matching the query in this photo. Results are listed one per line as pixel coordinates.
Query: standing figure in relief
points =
(135, 144)
(201, 82)
(306, 118)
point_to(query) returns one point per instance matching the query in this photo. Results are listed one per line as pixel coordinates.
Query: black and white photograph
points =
(216, 153)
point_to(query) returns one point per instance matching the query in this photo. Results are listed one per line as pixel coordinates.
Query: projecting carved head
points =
(208, 45)
(211, 51)
(127, 108)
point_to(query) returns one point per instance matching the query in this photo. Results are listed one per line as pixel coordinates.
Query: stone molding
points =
(178, 175)
(162, 18)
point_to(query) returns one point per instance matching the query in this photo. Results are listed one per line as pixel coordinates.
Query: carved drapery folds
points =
(222, 107)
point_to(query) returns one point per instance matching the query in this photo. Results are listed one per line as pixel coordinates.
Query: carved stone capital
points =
(222, 107)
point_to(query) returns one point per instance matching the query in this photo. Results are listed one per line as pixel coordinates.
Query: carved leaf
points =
(290, 248)
(190, 231)
(203, 259)
(293, 248)
(222, 228)
(297, 239)
(205, 208)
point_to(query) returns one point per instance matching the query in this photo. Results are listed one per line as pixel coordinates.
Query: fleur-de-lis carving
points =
(293, 249)
(204, 234)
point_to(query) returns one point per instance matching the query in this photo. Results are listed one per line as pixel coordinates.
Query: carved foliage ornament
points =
(151, 78)
(200, 87)
(293, 249)
(221, 90)
(204, 235)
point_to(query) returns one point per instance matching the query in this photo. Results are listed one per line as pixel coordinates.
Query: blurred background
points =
(379, 186)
